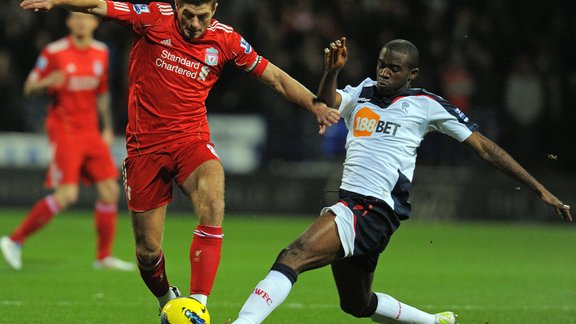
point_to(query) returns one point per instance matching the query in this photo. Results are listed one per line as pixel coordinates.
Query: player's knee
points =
(213, 212)
(109, 192)
(148, 255)
(66, 198)
(294, 257)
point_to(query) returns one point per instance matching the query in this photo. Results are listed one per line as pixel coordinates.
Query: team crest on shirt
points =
(140, 8)
(244, 44)
(98, 68)
(211, 56)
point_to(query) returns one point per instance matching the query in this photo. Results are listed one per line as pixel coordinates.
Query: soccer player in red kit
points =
(74, 72)
(176, 58)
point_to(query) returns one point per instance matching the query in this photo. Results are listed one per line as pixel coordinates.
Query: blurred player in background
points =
(74, 73)
(387, 120)
(177, 56)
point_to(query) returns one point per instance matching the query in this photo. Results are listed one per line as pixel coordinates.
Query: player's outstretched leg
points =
(267, 295)
(318, 246)
(40, 215)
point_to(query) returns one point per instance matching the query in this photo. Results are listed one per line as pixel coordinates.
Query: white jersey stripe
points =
(121, 6)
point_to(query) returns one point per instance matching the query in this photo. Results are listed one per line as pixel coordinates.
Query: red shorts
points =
(148, 178)
(79, 158)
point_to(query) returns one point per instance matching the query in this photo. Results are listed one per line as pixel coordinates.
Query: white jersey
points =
(384, 134)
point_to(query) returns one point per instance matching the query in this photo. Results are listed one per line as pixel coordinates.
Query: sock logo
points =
(267, 299)
(197, 255)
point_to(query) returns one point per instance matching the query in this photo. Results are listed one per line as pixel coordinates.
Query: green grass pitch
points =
(487, 273)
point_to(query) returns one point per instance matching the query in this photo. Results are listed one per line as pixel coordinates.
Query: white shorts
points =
(345, 225)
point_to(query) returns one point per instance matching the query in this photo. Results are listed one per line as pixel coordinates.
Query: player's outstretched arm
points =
(34, 86)
(335, 57)
(295, 92)
(494, 154)
(95, 7)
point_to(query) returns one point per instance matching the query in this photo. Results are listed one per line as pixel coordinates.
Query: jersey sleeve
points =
(245, 57)
(449, 120)
(350, 96)
(138, 15)
(44, 65)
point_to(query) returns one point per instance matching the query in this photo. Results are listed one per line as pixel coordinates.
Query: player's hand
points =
(325, 116)
(37, 5)
(55, 79)
(562, 209)
(336, 55)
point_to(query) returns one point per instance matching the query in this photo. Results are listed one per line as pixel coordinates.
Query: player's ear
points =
(413, 74)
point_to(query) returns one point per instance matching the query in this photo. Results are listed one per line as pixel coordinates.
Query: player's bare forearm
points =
(105, 111)
(335, 58)
(327, 90)
(287, 86)
(34, 86)
(494, 154)
(295, 92)
(95, 7)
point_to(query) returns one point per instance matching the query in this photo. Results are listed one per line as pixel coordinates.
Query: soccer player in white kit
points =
(387, 120)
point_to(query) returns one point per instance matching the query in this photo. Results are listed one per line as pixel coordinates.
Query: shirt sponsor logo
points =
(244, 44)
(175, 63)
(140, 8)
(211, 57)
(367, 122)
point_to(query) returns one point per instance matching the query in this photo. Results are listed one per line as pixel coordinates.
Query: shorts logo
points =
(211, 57)
(244, 44)
(140, 8)
(367, 122)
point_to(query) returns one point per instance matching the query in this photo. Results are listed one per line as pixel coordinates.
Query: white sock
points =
(388, 307)
(268, 294)
(201, 298)
(166, 298)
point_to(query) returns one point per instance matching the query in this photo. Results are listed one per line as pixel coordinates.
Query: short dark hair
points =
(405, 47)
(196, 2)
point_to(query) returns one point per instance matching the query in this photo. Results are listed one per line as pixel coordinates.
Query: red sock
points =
(155, 277)
(39, 215)
(105, 222)
(205, 258)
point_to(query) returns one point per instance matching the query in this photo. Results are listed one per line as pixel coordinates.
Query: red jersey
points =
(170, 78)
(74, 108)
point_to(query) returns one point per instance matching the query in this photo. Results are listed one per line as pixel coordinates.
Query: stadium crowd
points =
(509, 65)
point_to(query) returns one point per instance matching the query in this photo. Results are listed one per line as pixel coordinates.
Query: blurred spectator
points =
(524, 105)
(11, 117)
